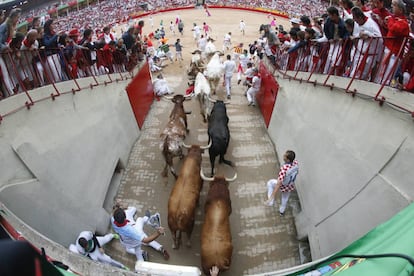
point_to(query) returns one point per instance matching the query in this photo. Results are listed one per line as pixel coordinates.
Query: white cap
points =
(295, 20)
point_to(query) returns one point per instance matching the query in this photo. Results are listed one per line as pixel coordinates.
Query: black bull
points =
(218, 134)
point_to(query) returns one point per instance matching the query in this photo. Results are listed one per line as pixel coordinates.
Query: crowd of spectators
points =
(105, 12)
(367, 42)
(84, 43)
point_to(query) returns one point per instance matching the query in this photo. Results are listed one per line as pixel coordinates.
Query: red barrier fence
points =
(141, 95)
(266, 97)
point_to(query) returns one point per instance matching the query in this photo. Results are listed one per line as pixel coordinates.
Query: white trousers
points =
(251, 94)
(227, 82)
(271, 185)
(97, 255)
(7, 81)
(335, 50)
(53, 68)
(139, 226)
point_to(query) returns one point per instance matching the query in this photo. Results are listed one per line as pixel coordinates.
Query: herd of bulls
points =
(216, 241)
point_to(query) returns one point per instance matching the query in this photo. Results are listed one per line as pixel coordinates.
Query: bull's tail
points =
(227, 162)
(168, 159)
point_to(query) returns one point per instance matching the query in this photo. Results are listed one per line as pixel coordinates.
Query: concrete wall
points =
(355, 161)
(59, 157)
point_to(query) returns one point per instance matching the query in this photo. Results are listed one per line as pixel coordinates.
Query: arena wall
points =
(83, 138)
(355, 160)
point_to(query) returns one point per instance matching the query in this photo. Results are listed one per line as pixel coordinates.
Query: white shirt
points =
(256, 82)
(371, 29)
(242, 25)
(229, 67)
(227, 38)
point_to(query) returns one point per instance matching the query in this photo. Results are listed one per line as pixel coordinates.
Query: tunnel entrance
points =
(113, 186)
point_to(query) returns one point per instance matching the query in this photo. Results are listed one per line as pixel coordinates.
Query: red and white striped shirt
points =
(287, 176)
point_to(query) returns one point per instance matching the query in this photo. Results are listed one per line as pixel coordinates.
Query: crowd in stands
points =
(342, 41)
(356, 40)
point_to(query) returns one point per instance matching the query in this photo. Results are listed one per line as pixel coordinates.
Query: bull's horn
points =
(186, 146)
(231, 179)
(211, 100)
(208, 146)
(205, 178)
(168, 97)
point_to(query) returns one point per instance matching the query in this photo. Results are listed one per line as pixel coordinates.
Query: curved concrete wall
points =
(78, 138)
(355, 161)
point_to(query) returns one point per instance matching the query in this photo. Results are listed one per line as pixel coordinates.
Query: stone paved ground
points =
(262, 240)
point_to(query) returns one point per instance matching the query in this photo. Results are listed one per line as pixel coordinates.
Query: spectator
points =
(29, 49)
(35, 23)
(132, 234)
(335, 32)
(106, 35)
(285, 182)
(129, 38)
(7, 30)
(368, 45)
(50, 42)
(379, 13)
(398, 30)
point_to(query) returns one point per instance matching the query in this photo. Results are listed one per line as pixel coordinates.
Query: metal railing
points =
(352, 59)
(23, 71)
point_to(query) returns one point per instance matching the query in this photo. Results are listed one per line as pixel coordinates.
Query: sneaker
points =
(228, 97)
(253, 104)
(148, 213)
(155, 220)
(126, 268)
(250, 103)
(116, 236)
(281, 214)
(145, 255)
(165, 254)
(238, 82)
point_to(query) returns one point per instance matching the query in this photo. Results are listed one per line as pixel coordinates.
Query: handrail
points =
(22, 71)
(353, 59)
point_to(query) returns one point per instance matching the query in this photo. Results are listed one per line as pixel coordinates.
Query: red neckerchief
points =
(121, 224)
(27, 43)
(365, 19)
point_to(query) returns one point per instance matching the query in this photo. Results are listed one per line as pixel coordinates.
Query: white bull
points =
(214, 72)
(202, 90)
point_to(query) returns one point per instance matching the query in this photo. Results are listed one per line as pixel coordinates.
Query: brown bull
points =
(216, 241)
(184, 196)
(174, 134)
